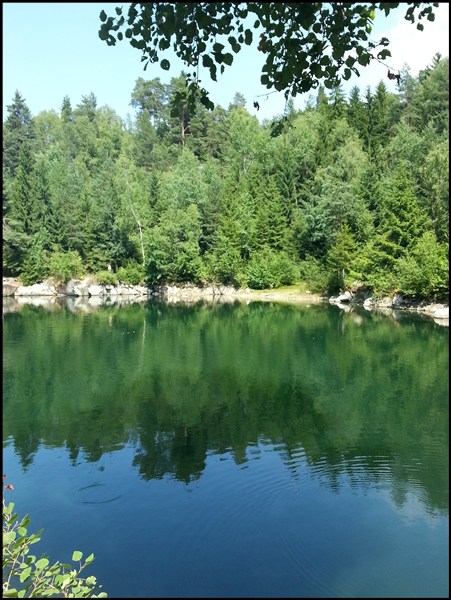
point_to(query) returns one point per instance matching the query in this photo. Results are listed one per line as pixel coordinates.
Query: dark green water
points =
(256, 450)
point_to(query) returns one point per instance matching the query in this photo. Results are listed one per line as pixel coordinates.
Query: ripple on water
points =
(96, 493)
(244, 497)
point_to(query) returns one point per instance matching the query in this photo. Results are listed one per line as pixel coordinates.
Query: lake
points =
(233, 450)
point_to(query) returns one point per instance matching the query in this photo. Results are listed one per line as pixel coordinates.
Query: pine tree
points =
(379, 117)
(337, 102)
(23, 205)
(151, 97)
(271, 220)
(401, 221)
(340, 258)
(180, 113)
(66, 111)
(48, 221)
(356, 114)
(17, 129)
(87, 107)
(431, 99)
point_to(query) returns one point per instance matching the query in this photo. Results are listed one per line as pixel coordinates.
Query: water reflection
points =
(357, 398)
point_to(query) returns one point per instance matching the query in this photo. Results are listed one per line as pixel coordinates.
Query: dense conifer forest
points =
(351, 191)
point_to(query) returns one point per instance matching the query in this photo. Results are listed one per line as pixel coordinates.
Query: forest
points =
(350, 192)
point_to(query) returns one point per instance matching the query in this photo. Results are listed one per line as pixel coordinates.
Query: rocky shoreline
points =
(86, 292)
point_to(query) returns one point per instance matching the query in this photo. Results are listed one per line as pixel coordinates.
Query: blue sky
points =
(51, 50)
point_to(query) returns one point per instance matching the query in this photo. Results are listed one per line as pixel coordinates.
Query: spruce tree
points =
(17, 129)
(356, 115)
(66, 111)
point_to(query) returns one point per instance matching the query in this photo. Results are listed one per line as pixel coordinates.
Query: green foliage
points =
(295, 35)
(106, 278)
(65, 265)
(313, 272)
(132, 273)
(346, 188)
(224, 264)
(17, 130)
(431, 100)
(23, 205)
(35, 267)
(434, 185)
(173, 247)
(340, 259)
(376, 262)
(26, 576)
(259, 275)
(269, 269)
(401, 219)
(424, 272)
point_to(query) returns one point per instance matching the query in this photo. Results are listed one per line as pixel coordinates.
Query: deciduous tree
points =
(303, 43)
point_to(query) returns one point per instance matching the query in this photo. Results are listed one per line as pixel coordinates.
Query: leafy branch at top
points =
(303, 44)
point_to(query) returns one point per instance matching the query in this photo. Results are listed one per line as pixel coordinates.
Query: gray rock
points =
(96, 290)
(442, 313)
(37, 289)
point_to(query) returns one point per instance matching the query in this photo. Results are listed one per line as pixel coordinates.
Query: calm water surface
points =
(233, 450)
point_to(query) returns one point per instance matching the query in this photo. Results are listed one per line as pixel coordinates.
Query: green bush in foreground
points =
(65, 265)
(25, 576)
(106, 278)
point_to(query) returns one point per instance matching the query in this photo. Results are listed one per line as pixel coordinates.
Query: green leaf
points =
(11, 593)
(248, 37)
(364, 60)
(8, 537)
(382, 55)
(234, 44)
(316, 69)
(89, 560)
(207, 61)
(209, 105)
(420, 27)
(43, 562)
(103, 33)
(102, 16)
(25, 574)
(165, 64)
(77, 555)
(62, 580)
(228, 58)
(164, 44)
